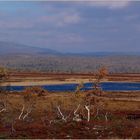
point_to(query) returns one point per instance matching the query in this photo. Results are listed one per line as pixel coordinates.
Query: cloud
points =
(15, 25)
(62, 37)
(62, 18)
(70, 38)
(132, 17)
(111, 4)
(55, 19)
(71, 19)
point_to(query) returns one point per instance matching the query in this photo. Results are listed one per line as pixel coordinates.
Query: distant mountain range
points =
(27, 58)
(15, 48)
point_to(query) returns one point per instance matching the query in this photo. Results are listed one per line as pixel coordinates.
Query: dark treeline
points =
(71, 64)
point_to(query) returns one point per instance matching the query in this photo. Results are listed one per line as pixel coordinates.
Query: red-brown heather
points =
(36, 113)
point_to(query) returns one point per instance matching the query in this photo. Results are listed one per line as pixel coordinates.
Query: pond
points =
(106, 86)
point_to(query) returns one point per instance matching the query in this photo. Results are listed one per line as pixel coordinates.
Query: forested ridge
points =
(71, 63)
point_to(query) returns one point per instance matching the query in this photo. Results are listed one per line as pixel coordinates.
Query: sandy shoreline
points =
(54, 82)
(39, 83)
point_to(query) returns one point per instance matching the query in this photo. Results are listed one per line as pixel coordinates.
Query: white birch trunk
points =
(88, 110)
(21, 112)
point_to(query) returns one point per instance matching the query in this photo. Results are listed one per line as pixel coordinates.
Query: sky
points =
(72, 26)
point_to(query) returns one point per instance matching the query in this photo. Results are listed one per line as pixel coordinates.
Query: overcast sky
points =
(73, 26)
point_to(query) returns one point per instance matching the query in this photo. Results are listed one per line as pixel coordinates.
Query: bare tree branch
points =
(76, 116)
(21, 112)
(4, 109)
(63, 118)
(28, 112)
(106, 118)
(88, 110)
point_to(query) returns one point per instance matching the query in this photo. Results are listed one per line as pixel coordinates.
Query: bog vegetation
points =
(35, 113)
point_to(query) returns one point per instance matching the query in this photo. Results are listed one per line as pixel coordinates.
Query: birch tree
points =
(3, 94)
(99, 76)
(29, 101)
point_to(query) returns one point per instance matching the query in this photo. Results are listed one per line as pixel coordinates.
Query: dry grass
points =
(120, 101)
(117, 126)
(68, 101)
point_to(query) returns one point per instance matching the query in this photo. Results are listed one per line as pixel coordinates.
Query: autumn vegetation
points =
(36, 113)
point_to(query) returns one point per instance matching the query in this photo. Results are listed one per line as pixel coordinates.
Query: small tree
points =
(100, 75)
(3, 74)
(3, 77)
(29, 101)
(79, 87)
(36, 90)
(91, 99)
(3, 95)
